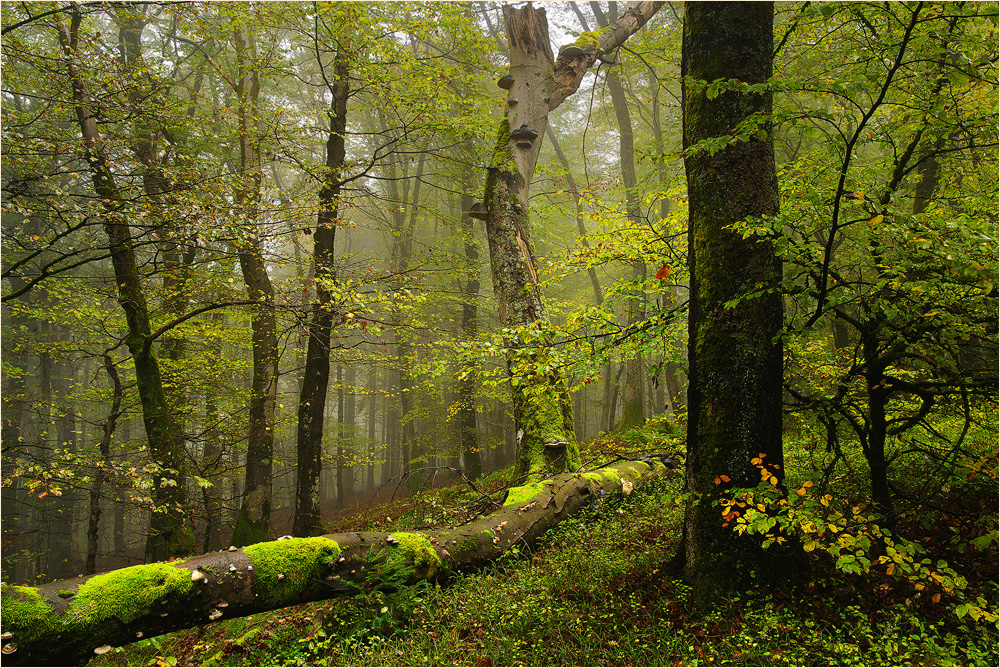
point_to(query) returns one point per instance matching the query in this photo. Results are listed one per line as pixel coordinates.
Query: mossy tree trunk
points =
(735, 354)
(63, 622)
(169, 533)
(312, 398)
(543, 412)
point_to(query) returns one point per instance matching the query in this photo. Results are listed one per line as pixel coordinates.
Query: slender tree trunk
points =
(312, 399)
(254, 521)
(347, 428)
(632, 409)
(469, 383)
(97, 488)
(169, 534)
(735, 353)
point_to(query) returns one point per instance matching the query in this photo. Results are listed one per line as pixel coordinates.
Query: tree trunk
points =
(543, 412)
(312, 399)
(468, 385)
(50, 627)
(254, 521)
(169, 535)
(97, 488)
(735, 360)
(632, 409)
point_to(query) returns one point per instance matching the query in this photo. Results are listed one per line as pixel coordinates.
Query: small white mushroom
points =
(196, 575)
(138, 634)
(223, 603)
(250, 567)
(285, 537)
(281, 576)
(233, 548)
(6, 635)
(341, 560)
(205, 581)
(9, 648)
(232, 567)
(103, 649)
(214, 614)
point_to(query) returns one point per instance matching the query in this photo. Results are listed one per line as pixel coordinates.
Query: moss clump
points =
(127, 594)
(418, 549)
(25, 613)
(525, 492)
(285, 567)
(66, 593)
(503, 156)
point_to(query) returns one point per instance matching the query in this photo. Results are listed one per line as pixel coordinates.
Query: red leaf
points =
(663, 272)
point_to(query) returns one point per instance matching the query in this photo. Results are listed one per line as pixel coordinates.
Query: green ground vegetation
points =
(601, 589)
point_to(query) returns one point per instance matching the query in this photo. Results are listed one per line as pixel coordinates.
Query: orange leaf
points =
(663, 272)
(936, 597)
(724, 477)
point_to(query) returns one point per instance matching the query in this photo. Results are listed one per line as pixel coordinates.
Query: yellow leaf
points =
(876, 220)
(773, 480)
(918, 587)
(890, 569)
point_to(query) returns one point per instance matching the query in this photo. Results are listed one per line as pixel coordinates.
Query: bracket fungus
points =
(524, 136)
(478, 211)
(506, 82)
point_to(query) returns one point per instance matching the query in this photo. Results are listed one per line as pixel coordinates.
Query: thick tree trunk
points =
(312, 399)
(735, 357)
(61, 623)
(543, 412)
(169, 534)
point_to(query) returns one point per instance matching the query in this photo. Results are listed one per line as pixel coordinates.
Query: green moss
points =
(588, 38)
(420, 552)
(611, 474)
(634, 472)
(25, 613)
(525, 493)
(503, 155)
(285, 567)
(128, 593)
(66, 593)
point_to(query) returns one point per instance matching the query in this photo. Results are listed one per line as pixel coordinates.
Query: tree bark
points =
(312, 399)
(61, 623)
(97, 488)
(543, 413)
(254, 521)
(735, 354)
(169, 534)
(632, 409)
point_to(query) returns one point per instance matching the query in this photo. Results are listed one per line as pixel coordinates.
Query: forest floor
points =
(599, 590)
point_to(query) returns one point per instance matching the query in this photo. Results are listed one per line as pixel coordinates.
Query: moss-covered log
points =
(64, 622)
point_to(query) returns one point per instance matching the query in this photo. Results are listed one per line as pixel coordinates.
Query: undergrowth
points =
(600, 589)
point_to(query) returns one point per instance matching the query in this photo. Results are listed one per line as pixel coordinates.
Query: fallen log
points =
(67, 621)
